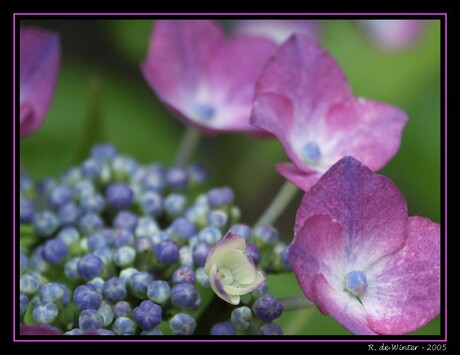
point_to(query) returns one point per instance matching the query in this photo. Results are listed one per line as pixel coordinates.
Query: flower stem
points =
(295, 303)
(278, 205)
(188, 145)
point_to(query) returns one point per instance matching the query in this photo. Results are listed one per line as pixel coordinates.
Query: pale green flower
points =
(231, 272)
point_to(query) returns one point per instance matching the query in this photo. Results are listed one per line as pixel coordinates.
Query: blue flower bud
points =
(167, 252)
(23, 303)
(266, 234)
(183, 228)
(202, 277)
(45, 313)
(54, 251)
(87, 297)
(139, 283)
(106, 312)
(147, 315)
(241, 317)
(182, 324)
(220, 197)
(176, 178)
(124, 256)
(223, 328)
(94, 203)
(217, 218)
(151, 203)
(113, 290)
(45, 223)
(60, 195)
(51, 292)
(90, 319)
(29, 284)
(124, 326)
(68, 235)
(122, 309)
(184, 295)
(267, 308)
(183, 274)
(103, 151)
(121, 237)
(271, 329)
(89, 266)
(210, 235)
(200, 253)
(125, 220)
(69, 214)
(90, 223)
(119, 195)
(26, 210)
(174, 204)
(158, 291)
(70, 269)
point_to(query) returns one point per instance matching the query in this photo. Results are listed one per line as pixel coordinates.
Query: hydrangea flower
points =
(393, 34)
(205, 78)
(276, 30)
(231, 272)
(303, 98)
(39, 58)
(360, 258)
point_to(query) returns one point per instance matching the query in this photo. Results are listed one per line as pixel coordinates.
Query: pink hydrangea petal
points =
(404, 287)
(369, 206)
(179, 52)
(207, 80)
(340, 304)
(274, 114)
(303, 72)
(368, 130)
(318, 247)
(232, 75)
(393, 34)
(301, 179)
(178, 55)
(277, 30)
(39, 65)
(37, 330)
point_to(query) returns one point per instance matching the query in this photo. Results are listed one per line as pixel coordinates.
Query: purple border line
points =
(227, 13)
(370, 340)
(445, 174)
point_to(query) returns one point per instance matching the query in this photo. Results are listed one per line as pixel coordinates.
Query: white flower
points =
(231, 272)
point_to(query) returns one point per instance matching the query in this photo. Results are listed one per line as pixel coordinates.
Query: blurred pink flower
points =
(39, 58)
(303, 98)
(205, 78)
(393, 34)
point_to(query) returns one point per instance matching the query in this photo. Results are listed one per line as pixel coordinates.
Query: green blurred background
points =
(108, 52)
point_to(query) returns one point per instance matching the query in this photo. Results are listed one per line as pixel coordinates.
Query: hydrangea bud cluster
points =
(114, 247)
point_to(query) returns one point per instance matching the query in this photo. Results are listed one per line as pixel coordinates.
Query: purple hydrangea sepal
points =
(206, 79)
(39, 58)
(303, 98)
(360, 258)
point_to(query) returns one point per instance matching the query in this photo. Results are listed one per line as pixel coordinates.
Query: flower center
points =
(204, 112)
(356, 283)
(311, 153)
(225, 276)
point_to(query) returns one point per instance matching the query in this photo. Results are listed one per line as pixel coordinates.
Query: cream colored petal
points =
(239, 289)
(217, 287)
(230, 241)
(242, 268)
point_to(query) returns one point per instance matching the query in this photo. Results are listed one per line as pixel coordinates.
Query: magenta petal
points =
(38, 330)
(404, 287)
(303, 72)
(368, 130)
(274, 113)
(39, 65)
(207, 80)
(301, 179)
(318, 247)
(345, 308)
(369, 206)
(232, 75)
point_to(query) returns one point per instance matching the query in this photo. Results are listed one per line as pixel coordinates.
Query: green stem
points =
(295, 303)
(188, 145)
(278, 205)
